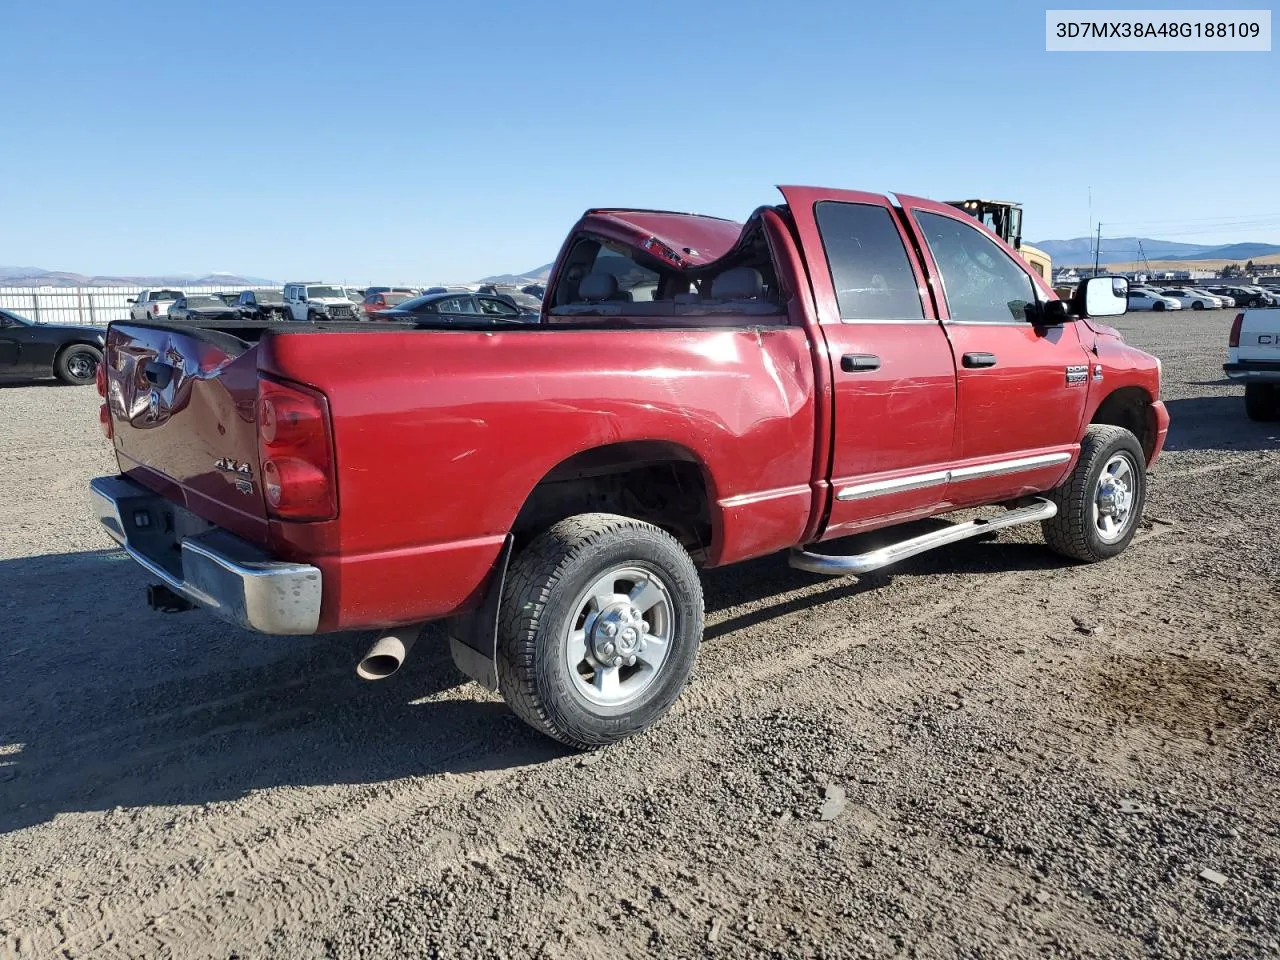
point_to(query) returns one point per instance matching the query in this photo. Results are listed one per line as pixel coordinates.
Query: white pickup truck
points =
(1253, 358)
(152, 304)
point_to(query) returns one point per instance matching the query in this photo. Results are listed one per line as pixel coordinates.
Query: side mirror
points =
(132, 300)
(1102, 297)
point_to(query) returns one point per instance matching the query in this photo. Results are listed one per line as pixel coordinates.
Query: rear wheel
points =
(1101, 503)
(599, 629)
(1262, 401)
(78, 364)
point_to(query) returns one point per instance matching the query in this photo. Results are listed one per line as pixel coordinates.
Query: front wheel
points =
(1262, 401)
(1158, 307)
(1197, 305)
(1101, 503)
(78, 364)
(599, 629)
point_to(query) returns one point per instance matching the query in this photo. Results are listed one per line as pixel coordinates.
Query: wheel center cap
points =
(617, 635)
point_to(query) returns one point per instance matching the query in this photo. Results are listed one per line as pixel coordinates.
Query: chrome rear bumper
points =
(229, 577)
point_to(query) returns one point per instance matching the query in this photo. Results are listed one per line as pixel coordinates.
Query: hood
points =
(331, 301)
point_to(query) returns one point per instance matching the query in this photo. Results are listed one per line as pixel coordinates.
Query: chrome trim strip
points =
(1002, 467)
(920, 481)
(880, 488)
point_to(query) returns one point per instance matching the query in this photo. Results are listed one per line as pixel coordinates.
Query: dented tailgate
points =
(182, 403)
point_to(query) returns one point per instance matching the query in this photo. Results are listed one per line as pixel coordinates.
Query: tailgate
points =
(183, 410)
(1260, 337)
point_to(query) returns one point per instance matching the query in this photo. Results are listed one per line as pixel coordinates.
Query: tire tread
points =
(1067, 533)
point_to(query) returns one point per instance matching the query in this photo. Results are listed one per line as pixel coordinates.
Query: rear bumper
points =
(1257, 371)
(228, 576)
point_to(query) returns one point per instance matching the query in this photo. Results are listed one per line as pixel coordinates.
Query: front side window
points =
(496, 308)
(870, 271)
(982, 284)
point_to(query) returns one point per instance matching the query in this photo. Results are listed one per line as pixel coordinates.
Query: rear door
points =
(893, 377)
(1022, 388)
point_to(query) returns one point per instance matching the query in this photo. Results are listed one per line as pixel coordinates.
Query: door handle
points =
(972, 360)
(859, 362)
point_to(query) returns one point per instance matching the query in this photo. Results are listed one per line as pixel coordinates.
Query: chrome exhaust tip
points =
(388, 653)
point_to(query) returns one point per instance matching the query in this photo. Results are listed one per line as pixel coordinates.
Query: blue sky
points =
(399, 141)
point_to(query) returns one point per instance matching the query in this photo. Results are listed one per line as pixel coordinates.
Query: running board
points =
(875, 559)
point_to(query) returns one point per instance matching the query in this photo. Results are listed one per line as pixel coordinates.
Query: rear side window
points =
(870, 270)
(981, 282)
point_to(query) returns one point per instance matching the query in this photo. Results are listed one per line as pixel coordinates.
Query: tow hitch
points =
(160, 597)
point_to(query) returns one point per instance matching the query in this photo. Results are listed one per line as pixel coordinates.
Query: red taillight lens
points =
(1235, 330)
(104, 420)
(100, 378)
(295, 448)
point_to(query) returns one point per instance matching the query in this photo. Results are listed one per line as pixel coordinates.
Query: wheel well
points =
(657, 482)
(1130, 407)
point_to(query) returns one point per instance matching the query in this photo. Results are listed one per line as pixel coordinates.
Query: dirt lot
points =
(1036, 759)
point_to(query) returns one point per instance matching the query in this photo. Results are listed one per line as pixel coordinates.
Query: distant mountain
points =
(1079, 251)
(36, 277)
(538, 273)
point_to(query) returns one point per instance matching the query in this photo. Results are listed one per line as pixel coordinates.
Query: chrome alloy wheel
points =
(1113, 498)
(620, 636)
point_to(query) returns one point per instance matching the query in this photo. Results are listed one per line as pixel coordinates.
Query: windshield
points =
(204, 302)
(395, 298)
(525, 302)
(315, 293)
(268, 296)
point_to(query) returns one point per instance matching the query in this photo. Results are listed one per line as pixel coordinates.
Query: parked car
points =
(409, 291)
(152, 304)
(1193, 301)
(1253, 358)
(552, 488)
(1242, 296)
(375, 303)
(69, 352)
(262, 305)
(457, 308)
(200, 306)
(535, 290)
(318, 301)
(228, 297)
(1151, 300)
(1223, 300)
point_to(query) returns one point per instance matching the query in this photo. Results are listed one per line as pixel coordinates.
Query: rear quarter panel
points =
(440, 437)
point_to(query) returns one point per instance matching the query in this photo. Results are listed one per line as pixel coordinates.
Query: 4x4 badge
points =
(227, 465)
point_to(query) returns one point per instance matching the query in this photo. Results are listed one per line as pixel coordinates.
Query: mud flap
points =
(473, 637)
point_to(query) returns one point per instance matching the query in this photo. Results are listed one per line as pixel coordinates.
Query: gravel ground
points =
(984, 753)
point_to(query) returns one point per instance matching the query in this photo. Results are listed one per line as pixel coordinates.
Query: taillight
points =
(100, 378)
(1235, 330)
(104, 421)
(295, 448)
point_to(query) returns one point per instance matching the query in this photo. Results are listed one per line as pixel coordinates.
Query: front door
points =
(894, 385)
(11, 359)
(1022, 388)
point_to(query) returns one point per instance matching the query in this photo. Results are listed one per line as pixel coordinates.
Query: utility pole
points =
(1097, 249)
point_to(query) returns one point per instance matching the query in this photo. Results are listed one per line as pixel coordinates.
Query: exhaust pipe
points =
(388, 653)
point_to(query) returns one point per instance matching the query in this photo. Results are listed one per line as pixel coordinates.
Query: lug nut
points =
(609, 649)
(631, 661)
(610, 629)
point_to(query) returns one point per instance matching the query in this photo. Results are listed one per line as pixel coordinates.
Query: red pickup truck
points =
(696, 392)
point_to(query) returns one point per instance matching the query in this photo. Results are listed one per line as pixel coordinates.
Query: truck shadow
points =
(1217, 423)
(105, 704)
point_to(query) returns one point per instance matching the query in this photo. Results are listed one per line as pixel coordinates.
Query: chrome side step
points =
(875, 559)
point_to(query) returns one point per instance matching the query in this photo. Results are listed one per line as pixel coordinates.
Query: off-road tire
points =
(65, 365)
(1262, 401)
(1072, 533)
(543, 586)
